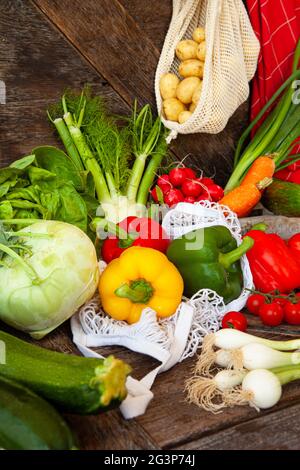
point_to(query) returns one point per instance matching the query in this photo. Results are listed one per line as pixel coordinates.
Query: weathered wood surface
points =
(46, 46)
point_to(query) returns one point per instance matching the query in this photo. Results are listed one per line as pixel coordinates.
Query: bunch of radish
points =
(183, 185)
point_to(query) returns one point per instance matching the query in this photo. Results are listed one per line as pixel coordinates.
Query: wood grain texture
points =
(276, 431)
(125, 53)
(37, 65)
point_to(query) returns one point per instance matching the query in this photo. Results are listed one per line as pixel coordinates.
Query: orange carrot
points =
(263, 167)
(244, 198)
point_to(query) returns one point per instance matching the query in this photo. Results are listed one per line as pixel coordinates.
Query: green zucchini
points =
(282, 198)
(74, 383)
(27, 422)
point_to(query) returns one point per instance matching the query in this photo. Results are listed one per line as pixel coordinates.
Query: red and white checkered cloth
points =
(277, 26)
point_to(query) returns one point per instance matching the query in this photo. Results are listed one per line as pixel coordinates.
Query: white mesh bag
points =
(231, 58)
(169, 340)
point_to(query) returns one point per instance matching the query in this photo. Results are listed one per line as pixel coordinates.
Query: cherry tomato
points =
(271, 314)
(216, 192)
(172, 197)
(282, 300)
(189, 173)
(292, 313)
(191, 188)
(235, 320)
(190, 199)
(164, 183)
(254, 302)
(295, 177)
(177, 176)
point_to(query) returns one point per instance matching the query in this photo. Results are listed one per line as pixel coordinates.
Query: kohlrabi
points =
(47, 271)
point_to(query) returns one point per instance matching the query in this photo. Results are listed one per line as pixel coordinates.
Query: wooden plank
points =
(120, 50)
(37, 65)
(154, 22)
(276, 431)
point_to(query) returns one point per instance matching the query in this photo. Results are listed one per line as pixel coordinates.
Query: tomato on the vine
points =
(292, 313)
(271, 314)
(254, 302)
(235, 320)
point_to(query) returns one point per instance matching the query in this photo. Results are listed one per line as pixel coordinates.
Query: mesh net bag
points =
(231, 58)
(169, 340)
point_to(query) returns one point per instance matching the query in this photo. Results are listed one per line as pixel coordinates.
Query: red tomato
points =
(177, 176)
(216, 192)
(174, 196)
(282, 301)
(271, 314)
(235, 320)
(164, 183)
(190, 199)
(191, 188)
(295, 177)
(254, 302)
(292, 313)
(189, 173)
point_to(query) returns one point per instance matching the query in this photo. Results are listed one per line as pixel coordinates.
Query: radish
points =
(216, 192)
(177, 176)
(172, 197)
(164, 183)
(191, 188)
(189, 173)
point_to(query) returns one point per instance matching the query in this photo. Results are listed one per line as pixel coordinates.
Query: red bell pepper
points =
(272, 262)
(138, 232)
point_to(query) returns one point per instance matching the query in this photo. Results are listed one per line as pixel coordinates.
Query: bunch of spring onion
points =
(103, 148)
(254, 371)
(277, 133)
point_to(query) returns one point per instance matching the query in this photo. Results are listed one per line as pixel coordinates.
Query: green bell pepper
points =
(208, 258)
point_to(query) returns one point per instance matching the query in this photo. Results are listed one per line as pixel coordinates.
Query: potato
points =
(191, 68)
(172, 108)
(192, 107)
(201, 51)
(199, 34)
(167, 85)
(186, 88)
(187, 49)
(184, 116)
(197, 93)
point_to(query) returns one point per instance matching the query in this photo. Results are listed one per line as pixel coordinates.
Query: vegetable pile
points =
(180, 97)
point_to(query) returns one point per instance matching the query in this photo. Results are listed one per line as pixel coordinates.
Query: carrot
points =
(263, 167)
(244, 198)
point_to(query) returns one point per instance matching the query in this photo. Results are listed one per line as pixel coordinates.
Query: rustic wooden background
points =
(49, 45)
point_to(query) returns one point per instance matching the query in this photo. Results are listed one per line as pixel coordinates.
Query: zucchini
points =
(74, 383)
(27, 422)
(282, 198)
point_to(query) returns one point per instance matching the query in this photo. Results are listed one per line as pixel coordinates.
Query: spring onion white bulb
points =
(262, 388)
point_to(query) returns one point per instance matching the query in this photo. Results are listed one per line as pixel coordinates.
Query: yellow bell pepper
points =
(141, 277)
